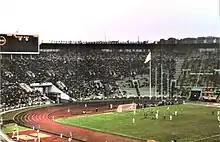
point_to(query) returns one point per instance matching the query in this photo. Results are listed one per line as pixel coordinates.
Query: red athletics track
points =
(43, 118)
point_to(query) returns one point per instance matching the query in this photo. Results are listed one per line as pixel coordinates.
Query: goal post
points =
(127, 107)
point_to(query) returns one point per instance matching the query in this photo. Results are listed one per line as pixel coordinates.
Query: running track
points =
(43, 118)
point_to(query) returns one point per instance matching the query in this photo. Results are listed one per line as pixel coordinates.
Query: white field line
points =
(89, 114)
(205, 138)
(217, 105)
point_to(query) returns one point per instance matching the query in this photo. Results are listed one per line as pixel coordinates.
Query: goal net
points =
(126, 107)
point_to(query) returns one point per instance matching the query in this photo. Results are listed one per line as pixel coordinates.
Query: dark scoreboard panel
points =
(19, 44)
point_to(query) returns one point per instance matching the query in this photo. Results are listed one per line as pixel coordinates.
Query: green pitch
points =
(193, 123)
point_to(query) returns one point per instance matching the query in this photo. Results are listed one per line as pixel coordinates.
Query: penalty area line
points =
(205, 138)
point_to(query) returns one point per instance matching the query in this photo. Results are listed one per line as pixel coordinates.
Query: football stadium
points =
(108, 90)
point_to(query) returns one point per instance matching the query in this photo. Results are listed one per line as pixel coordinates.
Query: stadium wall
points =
(116, 102)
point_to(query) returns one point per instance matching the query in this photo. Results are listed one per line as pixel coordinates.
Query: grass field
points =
(193, 123)
(9, 128)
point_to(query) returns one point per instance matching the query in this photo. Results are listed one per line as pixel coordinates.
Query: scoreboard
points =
(19, 44)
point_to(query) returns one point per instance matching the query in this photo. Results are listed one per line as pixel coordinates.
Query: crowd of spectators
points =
(201, 69)
(91, 72)
(13, 96)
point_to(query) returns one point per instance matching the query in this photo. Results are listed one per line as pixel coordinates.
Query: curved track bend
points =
(42, 118)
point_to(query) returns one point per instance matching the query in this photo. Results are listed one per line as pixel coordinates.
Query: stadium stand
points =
(100, 71)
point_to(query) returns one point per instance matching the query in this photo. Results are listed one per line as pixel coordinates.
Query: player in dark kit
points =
(174, 140)
(145, 115)
(96, 109)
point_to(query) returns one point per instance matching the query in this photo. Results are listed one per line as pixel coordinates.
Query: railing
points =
(4, 137)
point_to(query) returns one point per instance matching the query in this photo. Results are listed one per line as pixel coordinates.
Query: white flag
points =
(214, 41)
(148, 58)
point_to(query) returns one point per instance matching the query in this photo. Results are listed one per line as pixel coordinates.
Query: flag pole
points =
(150, 78)
(148, 59)
(161, 91)
(155, 83)
(168, 83)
